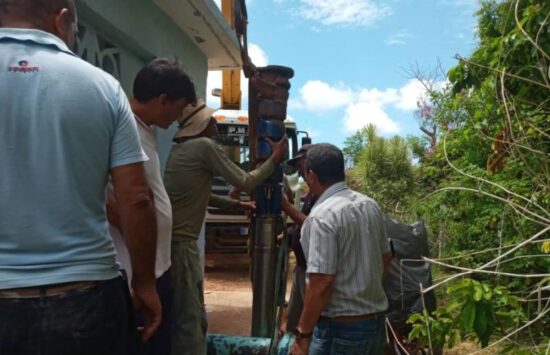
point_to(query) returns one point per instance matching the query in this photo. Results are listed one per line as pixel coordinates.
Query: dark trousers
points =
(92, 321)
(161, 342)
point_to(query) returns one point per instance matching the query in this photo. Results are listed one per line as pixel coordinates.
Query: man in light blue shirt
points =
(64, 127)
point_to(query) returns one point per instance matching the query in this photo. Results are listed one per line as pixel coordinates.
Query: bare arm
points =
(318, 292)
(138, 222)
(295, 214)
(112, 215)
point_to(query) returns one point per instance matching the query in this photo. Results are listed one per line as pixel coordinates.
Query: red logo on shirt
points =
(23, 67)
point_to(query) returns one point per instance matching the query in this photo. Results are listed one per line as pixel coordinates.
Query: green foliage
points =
(474, 310)
(483, 181)
(383, 168)
(353, 146)
(495, 121)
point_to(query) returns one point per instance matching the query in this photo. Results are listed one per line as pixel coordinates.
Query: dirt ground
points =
(228, 294)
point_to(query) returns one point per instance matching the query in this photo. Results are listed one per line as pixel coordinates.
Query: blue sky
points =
(352, 58)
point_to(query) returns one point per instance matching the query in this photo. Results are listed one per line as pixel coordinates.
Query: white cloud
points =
(258, 56)
(317, 95)
(214, 80)
(398, 38)
(362, 106)
(343, 12)
(378, 97)
(363, 113)
(410, 94)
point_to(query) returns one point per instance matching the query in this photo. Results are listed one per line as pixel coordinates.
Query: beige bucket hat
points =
(194, 119)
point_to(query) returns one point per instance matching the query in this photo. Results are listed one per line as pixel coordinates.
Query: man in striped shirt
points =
(345, 244)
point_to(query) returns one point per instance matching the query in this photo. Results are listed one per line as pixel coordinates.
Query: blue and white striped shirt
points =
(345, 236)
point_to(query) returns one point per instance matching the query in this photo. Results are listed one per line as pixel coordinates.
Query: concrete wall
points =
(121, 36)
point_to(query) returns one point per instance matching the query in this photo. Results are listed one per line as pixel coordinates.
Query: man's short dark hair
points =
(32, 10)
(327, 162)
(164, 76)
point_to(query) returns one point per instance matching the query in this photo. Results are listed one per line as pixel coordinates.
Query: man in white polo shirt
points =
(161, 91)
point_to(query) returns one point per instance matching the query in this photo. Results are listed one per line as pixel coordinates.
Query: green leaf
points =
(478, 293)
(468, 315)
(459, 286)
(480, 323)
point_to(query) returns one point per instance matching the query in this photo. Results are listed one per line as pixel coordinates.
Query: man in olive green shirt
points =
(191, 167)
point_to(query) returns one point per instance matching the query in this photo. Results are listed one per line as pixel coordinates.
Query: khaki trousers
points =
(189, 326)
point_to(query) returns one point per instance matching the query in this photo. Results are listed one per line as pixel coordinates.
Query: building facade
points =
(121, 36)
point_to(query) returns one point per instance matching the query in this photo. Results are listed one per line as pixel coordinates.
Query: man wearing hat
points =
(297, 294)
(192, 164)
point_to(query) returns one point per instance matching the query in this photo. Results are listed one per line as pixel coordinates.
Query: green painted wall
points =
(123, 35)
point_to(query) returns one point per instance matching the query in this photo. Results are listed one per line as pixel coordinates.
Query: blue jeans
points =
(354, 338)
(92, 321)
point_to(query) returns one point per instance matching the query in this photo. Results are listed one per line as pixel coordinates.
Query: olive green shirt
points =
(190, 169)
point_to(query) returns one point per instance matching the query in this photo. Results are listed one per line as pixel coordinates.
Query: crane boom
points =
(231, 78)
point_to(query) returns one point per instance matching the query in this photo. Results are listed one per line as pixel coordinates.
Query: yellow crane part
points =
(231, 87)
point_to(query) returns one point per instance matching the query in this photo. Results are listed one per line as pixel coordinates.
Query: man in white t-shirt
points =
(161, 91)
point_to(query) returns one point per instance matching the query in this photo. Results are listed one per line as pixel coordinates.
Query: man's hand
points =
(300, 347)
(246, 205)
(278, 149)
(139, 227)
(285, 204)
(146, 300)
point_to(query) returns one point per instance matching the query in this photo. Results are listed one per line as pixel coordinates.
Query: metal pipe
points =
(267, 111)
(263, 278)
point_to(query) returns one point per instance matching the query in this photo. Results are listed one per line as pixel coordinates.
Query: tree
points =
(487, 182)
(383, 169)
(353, 146)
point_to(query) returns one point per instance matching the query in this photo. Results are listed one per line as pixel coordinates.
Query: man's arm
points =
(230, 204)
(219, 163)
(112, 214)
(318, 292)
(319, 241)
(295, 214)
(138, 222)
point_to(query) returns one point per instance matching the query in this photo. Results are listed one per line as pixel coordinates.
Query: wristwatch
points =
(300, 335)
